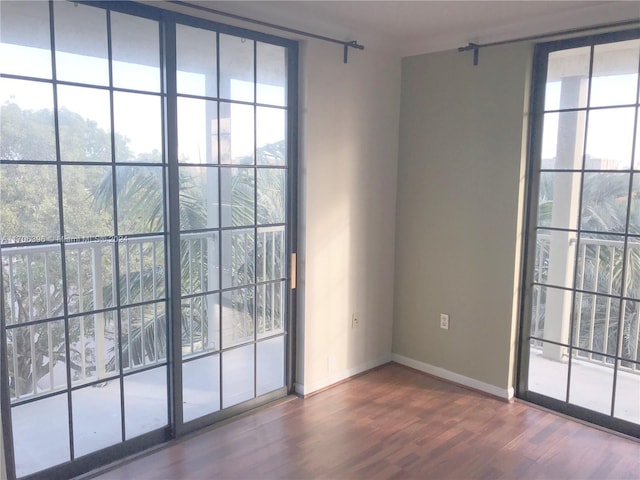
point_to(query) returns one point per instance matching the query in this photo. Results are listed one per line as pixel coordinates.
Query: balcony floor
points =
(41, 428)
(591, 385)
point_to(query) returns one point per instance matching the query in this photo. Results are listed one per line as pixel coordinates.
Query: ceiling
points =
(414, 27)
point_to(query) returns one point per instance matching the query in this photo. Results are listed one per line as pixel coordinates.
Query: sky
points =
(614, 83)
(610, 134)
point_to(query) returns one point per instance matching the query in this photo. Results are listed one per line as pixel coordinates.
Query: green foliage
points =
(604, 200)
(26, 134)
(29, 202)
(29, 210)
(140, 194)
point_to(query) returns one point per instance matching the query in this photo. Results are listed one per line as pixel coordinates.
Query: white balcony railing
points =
(596, 318)
(34, 296)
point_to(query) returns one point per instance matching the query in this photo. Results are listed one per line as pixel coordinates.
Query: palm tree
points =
(140, 189)
(604, 209)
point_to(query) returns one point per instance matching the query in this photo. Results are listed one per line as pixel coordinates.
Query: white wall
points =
(460, 190)
(349, 143)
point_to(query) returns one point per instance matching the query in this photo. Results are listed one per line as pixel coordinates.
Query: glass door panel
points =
(581, 351)
(198, 146)
(100, 344)
(83, 236)
(235, 236)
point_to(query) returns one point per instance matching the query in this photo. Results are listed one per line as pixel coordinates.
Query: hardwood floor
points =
(393, 423)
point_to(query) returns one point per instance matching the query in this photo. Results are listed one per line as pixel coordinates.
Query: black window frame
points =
(168, 21)
(534, 157)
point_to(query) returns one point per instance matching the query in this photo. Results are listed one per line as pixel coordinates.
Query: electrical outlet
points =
(355, 320)
(444, 321)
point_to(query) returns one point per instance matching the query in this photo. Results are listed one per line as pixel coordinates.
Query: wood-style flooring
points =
(393, 423)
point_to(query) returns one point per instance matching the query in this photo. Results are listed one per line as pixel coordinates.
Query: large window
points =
(580, 339)
(146, 228)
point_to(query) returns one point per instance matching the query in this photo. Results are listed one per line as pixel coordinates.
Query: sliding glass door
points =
(232, 169)
(580, 339)
(146, 228)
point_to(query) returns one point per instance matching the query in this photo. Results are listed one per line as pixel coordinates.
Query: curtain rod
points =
(477, 46)
(346, 45)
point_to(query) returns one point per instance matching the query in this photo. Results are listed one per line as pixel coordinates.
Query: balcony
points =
(594, 332)
(34, 308)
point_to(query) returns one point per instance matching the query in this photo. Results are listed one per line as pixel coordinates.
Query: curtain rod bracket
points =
(476, 51)
(477, 46)
(347, 45)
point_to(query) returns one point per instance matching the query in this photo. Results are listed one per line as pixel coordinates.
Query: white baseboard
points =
(505, 393)
(335, 377)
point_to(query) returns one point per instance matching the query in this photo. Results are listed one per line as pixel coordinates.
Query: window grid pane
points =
(582, 316)
(88, 298)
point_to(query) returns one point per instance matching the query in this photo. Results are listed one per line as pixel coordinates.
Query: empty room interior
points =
(308, 239)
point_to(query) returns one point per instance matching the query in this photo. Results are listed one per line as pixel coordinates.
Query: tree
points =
(29, 212)
(604, 209)
(140, 187)
(33, 290)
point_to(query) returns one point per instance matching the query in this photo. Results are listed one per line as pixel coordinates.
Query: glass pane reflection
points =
(32, 441)
(237, 376)
(81, 43)
(201, 387)
(25, 41)
(96, 417)
(136, 52)
(236, 68)
(145, 402)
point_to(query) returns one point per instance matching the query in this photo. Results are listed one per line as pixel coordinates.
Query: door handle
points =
(294, 271)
